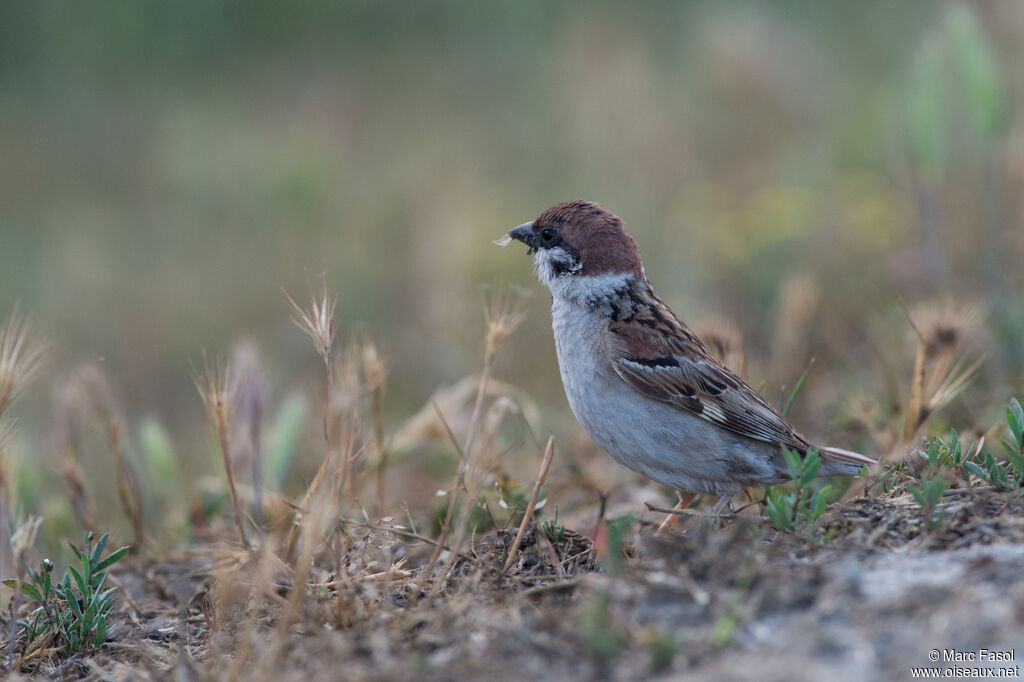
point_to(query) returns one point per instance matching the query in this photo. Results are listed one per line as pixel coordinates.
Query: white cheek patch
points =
(553, 263)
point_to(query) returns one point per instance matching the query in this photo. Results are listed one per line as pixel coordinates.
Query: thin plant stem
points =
(222, 437)
(545, 465)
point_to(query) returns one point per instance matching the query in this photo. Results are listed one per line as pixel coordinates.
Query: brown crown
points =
(603, 242)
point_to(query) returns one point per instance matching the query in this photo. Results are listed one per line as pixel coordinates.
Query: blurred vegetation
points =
(795, 168)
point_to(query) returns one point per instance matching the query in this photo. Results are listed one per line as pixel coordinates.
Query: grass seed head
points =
(317, 321)
(22, 541)
(374, 370)
(250, 394)
(504, 313)
(944, 327)
(21, 358)
(217, 386)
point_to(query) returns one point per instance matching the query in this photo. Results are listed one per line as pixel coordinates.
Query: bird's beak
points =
(524, 233)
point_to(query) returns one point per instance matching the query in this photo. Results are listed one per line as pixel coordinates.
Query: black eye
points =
(548, 234)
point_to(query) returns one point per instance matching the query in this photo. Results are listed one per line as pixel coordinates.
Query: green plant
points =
(929, 493)
(804, 504)
(553, 531)
(1008, 475)
(943, 459)
(74, 611)
(952, 458)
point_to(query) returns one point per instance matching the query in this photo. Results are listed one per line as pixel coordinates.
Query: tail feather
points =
(837, 461)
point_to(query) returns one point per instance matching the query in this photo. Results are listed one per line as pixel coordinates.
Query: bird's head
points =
(578, 239)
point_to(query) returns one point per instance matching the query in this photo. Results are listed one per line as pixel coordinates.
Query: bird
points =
(643, 386)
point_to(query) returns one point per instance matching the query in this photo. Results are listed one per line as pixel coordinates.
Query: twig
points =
(703, 515)
(545, 465)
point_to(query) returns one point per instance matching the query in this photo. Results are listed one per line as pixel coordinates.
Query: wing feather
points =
(662, 359)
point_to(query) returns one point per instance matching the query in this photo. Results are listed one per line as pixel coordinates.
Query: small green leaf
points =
(97, 551)
(114, 557)
(101, 632)
(79, 580)
(75, 608)
(105, 595)
(792, 462)
(976, 470)
(820, 500)
(812, 463)
(1015, 419)
(26, 588)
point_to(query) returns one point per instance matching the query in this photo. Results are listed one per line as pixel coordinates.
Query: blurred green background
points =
(791, 167)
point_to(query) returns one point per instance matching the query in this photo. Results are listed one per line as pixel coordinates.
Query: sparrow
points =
(643, 386)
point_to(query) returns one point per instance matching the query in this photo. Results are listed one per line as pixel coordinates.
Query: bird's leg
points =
(723, 502)
(685, 500)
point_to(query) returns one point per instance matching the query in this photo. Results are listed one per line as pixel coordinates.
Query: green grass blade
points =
(796, 389)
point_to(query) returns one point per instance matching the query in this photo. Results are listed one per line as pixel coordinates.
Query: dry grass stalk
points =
(22, 541)
(318, 323)
(127, 486)
(216, 387)
(455, 402)
(503, 315)
(542, 476)
(319, 515)
(376, 379)
(21, 358)
(68, 417)
(90, 384)
(345, 424)
(6, 435)
(250, 404)
(937, 377)
(446, 525)
(243, 589)
(81, 501)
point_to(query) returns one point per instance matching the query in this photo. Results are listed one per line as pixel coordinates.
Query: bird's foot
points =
(685, 500)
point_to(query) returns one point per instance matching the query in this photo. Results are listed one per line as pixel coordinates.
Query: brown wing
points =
(665, 361)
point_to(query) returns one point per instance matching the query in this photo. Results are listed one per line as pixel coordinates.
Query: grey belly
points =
(675, 448)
